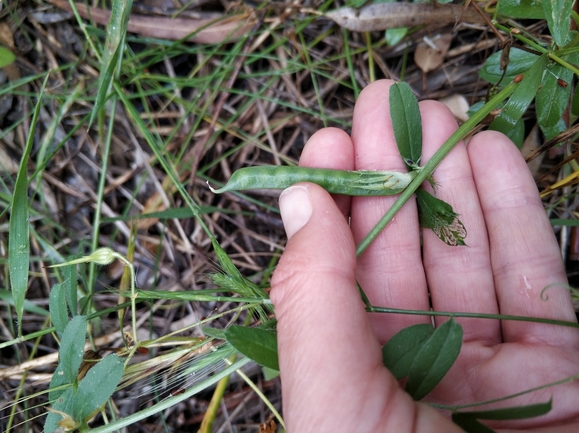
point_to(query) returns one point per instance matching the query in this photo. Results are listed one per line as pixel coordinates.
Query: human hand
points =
(330, 349)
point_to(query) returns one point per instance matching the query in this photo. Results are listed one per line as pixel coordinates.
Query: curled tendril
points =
(545, 297)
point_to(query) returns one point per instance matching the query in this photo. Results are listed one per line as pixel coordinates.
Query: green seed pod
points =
(355, 183)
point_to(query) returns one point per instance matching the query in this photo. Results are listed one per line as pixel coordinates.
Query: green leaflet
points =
(98, 385)
(407, 123)
(521, 98)
(439, 216)
(519, 62)
(19, 229)
(255, 343)
(516, 412)
(522, 9)
(69, 355)
(434, 359)
(58, 308)
(61, 409)
(558, 16)
(553, 96)
(401, 350)
(93, 391)
(468, 421)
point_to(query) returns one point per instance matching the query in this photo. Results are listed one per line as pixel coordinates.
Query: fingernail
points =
(295, 208)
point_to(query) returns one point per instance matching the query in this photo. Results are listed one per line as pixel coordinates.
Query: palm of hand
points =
(511, 256)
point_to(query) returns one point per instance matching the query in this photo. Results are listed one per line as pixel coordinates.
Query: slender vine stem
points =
(372, 309)
(553, 56)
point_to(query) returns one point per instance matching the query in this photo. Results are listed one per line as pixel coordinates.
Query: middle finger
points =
(390, 271)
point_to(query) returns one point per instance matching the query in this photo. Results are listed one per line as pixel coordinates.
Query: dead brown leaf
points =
(268, 427)
(382, 16)
(458, 105)
(430, 53)
(206, 30)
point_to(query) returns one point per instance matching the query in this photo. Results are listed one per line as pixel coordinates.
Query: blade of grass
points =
(100, 198)
(18, 241)
(113, 54)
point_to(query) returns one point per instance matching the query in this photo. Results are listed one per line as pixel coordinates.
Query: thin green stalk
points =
(348, 56)
(508, 397)
(100, 198)
(372, 309)
(371, 67)
(541, 49)
(431, 165)
(211, 412)
(263, 397)
(313, 76)
(52, 329)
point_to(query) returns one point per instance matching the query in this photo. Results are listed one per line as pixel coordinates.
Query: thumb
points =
(330, 359)
(326, 343)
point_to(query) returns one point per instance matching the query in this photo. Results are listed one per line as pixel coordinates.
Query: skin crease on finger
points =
(330, 359)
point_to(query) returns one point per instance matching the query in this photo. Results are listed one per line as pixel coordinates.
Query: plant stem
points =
(372, 309)
(263, 397)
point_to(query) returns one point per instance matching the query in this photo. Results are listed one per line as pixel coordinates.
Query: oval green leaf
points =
(57, 306)
(558, 16)
(255, 343)
(69, 355)
(401, 349)
(7, 57)
(97, 386)
(434, 359)
(521, 98)
(509, 413)
(519, 62)
(394, 36)
(522, 9)
(406, 122)
(553, 96)
(62, 405)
